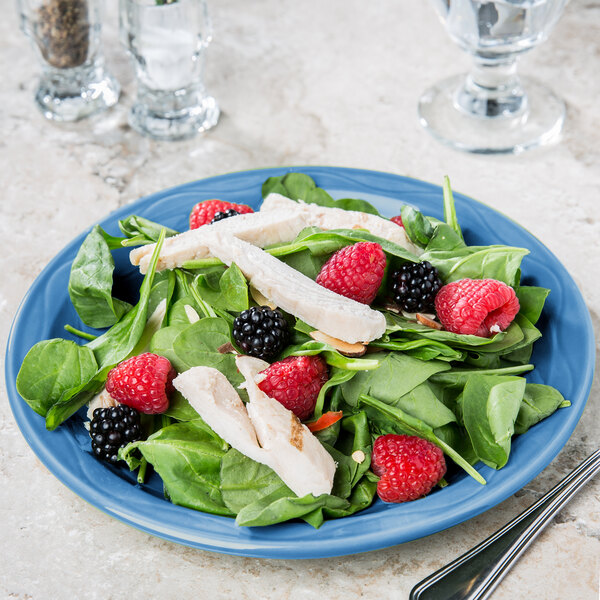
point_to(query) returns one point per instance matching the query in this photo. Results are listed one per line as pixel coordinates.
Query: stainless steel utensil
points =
(475, 574)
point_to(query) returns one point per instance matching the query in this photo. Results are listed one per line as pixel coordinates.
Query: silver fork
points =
(475, 574)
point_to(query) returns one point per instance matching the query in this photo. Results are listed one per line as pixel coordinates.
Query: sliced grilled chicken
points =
(286, 446)
(295, 293)
(294, 452)
(212, 396)
(261, 229)
(336, 218)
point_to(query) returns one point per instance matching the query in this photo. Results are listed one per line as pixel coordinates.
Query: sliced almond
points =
(226, 348)
(351, 350)
(425, 320)
(392, 308)
(358, 456)
(260, 299)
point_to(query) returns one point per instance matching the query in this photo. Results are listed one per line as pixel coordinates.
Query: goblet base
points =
(175, 125)
(71, 94)
(538, 124)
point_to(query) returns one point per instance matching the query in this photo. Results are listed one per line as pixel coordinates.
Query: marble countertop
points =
(318, 83)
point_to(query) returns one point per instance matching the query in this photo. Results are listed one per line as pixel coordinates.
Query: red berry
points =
(476, 306)
(409, 467)
(355, 271)
(397, 220)
(295, 382)
(142, 382)
(203, 212)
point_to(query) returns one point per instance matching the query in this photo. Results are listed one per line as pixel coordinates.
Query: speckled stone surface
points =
(320, 83)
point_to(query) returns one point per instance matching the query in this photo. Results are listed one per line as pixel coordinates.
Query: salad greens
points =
(464, 393)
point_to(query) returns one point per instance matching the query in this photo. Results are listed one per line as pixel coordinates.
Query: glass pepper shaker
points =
(74, 82)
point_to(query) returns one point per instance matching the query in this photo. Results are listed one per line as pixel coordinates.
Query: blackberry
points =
(111, 429)
(415, 285)
(220, 215)
(261, 332)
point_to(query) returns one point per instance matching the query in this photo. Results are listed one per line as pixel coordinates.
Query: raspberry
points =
(409, 467)
(355, 271)
(111, 429)
(261, 332)
(203, 212)
(142, 382)
(476, 306)
(295, 382)
(397, 220)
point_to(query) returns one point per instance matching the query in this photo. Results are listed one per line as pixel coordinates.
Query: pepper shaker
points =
(74, 82)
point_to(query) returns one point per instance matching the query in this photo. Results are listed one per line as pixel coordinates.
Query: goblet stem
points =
(492, 90)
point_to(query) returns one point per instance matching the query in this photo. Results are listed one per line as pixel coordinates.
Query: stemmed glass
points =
(492, 110)
(167, 40)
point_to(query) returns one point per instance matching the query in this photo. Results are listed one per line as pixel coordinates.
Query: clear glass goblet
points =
(492, 110)
(166, 40)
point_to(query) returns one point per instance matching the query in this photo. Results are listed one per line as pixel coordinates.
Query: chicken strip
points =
(261, 229)
(212, 396)
(286, 446)
(295, 454)
(295, 293)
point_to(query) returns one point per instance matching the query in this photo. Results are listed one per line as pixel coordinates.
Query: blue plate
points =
(564, 358)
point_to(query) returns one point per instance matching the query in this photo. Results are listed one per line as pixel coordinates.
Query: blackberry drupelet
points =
(261, 332)
(415, 285)
(220, 215)
(111, 429)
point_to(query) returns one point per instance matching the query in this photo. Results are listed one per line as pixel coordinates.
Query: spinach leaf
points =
(450, 209)
(417, 227)
(459, 376)
(490, 407)
(332, 356)
(278, 507)
(478, 262)
(306, 262)
(187, 456)
(244, 481)
(396, 376)
(91, 282)
(395, 419)
(423, 349)
(180, 315)
(320, 242)
(141, 231)
(444, 238)
(180, 408)
(197, 345)
(73, 399)
(162, 344)
(337, 376)
(299, 186)
(50, 368)
(226, 289)
(539, 402)
(422, 403)
(109, 349)
(532, 300)
(114, 345)
(398, 323)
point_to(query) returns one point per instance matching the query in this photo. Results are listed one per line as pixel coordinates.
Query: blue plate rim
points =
(219, 534)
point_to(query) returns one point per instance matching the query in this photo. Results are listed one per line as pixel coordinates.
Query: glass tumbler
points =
(492, 110)
(74, 82)
(167, 43)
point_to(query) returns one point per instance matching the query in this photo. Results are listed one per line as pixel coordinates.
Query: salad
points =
(463, 393)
